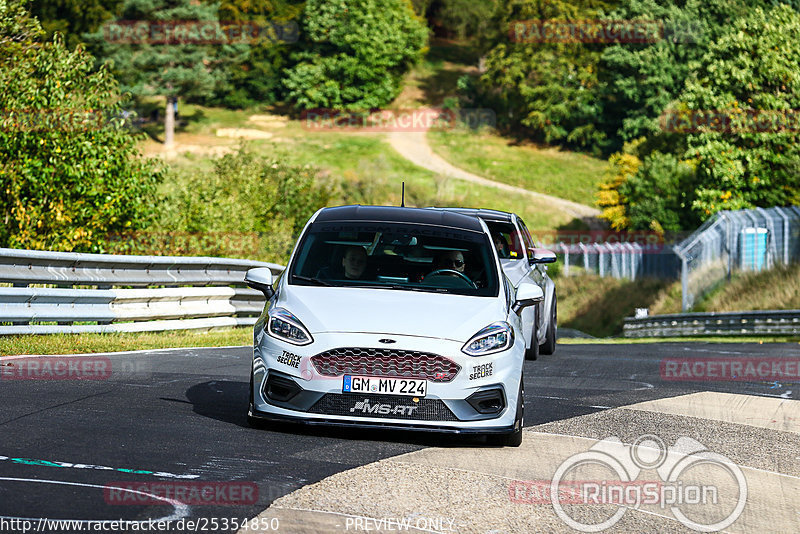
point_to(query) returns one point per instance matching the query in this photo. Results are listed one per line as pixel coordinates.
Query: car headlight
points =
(286, 327)
(496, 337)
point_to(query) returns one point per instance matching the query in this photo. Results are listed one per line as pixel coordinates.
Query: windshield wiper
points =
(311, 279)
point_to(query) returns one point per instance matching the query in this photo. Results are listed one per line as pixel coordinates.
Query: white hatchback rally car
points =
(396, 318)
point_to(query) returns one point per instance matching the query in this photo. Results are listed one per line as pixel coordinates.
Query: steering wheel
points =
(452, 271)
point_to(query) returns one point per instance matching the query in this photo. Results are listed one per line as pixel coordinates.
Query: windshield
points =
(399, 256)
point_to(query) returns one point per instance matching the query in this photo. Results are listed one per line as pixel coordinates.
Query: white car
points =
(395, 318)
(523, 261)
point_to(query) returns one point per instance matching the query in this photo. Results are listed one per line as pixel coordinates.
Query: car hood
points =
(385, 311)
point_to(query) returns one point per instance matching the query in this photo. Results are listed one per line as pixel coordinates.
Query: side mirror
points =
(528, 294)
(260, 278)
(541, 255)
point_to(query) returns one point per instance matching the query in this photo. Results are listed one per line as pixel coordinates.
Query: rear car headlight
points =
(496, 337)
(286, 327)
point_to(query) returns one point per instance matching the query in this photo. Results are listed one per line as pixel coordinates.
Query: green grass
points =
(568, 175)
(371, 172)
(366, 170)
(776, 289)
(94, 343)
(598, 306)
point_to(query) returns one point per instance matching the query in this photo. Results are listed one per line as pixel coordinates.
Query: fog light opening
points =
(489, 401)
(280, 389)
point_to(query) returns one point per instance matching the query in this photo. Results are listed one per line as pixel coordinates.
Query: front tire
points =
(533, 352)
(513, 439)
(252, 421)
(549, 345)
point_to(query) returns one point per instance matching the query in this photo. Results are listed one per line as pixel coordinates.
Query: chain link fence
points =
(744, 240)
(620, 260)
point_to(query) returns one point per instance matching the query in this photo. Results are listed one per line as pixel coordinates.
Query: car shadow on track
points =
(226, 401)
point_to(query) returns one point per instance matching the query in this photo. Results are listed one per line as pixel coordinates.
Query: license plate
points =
(408, 387)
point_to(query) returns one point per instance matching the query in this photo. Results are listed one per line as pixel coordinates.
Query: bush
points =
(70, 173)
(544, 91)
(356, 52)
(245, 196)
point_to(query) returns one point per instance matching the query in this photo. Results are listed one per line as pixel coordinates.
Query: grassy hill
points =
(563, 174)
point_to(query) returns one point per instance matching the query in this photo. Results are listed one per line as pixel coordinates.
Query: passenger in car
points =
(501, 245)
(351, 266)
(354, 262)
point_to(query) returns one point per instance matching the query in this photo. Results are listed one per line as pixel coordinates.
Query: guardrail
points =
(777, 322)
(109, 293)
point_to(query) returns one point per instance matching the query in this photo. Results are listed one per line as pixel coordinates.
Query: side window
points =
(526, 235)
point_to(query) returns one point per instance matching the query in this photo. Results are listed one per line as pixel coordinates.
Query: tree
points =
(149, 61)
(547, 91)
(256, 77)
(73, 18)
(465, 18)
(70, 172)
(749, 79)
(728, 140)
(639, 80)
(245, 193)
(354, 54)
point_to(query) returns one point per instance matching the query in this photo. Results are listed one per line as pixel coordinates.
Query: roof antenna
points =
(403, 196)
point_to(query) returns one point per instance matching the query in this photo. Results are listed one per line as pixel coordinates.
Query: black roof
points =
(486, 215)
(395, 214)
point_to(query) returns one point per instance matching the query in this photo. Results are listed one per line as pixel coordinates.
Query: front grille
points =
(385, 362)
(383, 406)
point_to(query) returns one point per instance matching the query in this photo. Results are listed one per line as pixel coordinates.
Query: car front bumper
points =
(480, 398)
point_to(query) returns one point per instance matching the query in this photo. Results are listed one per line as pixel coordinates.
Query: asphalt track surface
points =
(178, 415)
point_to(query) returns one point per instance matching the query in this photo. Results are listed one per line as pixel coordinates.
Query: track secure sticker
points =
(481, 371)
(287, 358)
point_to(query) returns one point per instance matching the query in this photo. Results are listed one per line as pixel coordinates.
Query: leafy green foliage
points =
(73, 18)
(466, 19)
(751, 68)
(19, 31)
(355, 53)
(192, 71)
(255, 77)
(659, 196)
(745, 77)
(69, 172)
(638, 81)
(545, 91)
(245, 194)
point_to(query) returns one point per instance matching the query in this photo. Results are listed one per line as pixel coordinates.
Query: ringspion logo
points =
(703, 490)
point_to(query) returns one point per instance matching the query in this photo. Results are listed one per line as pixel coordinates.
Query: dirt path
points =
(414, 147)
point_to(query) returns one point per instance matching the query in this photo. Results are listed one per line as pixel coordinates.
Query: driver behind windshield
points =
(452, 260)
